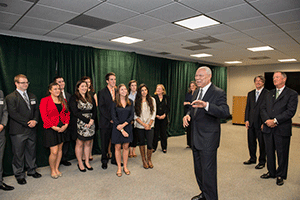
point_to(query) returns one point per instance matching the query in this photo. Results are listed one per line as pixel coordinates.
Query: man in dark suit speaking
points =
(253, 123)
(208, 107)
(23, 110)
(277, 112)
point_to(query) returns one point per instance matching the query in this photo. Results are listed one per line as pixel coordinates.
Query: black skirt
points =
(52, 138)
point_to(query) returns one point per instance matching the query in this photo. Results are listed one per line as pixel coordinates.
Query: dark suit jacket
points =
(252, 111)
(206, 124)
(283, 109)
(3, 111)
(104, 105)
(19, 112)
(68, 96)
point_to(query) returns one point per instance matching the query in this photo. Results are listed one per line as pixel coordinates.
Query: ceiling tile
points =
(103, 35)
(38, 23)
(231, 36)
(9, 18)
(164, 40)
(111, 12)
(50, 14)
(143, 22)
(263, 31)
(62, 35)
(5, 26)
(216, 30)
(204, 40)
(196, 47)
(168, 29)
(295, 34)
(31, 30)
(72, 29)
(90, 22)
(291, 26)
(188, 35)
(142, 6)
(269, 6)
(77, 6)
(120, 29)
(15, 6)
(146, 35)
(286, 16)
(235, 13)
(87, 40)
(251, 23)
(206, 6)
(173, 12)
(246, 42)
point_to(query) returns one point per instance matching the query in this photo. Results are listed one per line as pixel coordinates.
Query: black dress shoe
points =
(104, 165)
(164, 151)
(259, 166)
(267, 175)
(115, 163)
(65, 163)
(199, 197)
(279, 181)
(21, 181)
(6, 187)
(82, 170)
(35, 175)
(249, 162)
(90, 169)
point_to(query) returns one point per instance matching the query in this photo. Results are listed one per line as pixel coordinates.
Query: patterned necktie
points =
(26, 100)
(112, 92)
(277, 93)
(257, 95)
(199, 98)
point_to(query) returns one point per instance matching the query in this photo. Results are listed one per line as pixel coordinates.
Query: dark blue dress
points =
(119, 116)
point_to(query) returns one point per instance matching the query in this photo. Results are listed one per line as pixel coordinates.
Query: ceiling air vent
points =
(259, 58)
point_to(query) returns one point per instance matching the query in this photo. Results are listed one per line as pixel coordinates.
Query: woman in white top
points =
(145, 112)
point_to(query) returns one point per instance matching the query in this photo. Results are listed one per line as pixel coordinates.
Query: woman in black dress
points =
(122, 114)
(161, 119)
(56, 116)
(187, 104)
(83, 110)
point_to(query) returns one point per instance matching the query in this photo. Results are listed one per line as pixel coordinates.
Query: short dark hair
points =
(57, 77)
(261, 77)
(108, 75)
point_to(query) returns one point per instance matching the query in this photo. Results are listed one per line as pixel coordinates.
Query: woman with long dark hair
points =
(122, 114)
(83, 110)
(132, 87)
(145, 111)
(56, 116)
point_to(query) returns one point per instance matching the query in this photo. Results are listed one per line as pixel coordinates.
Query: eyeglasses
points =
(24, 83)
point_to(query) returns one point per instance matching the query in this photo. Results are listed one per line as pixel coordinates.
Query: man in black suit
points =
(253, 123)
(3, 122)
(105, 100)
(277, 111)
(67, 135)
(23, 110)
(208, 107)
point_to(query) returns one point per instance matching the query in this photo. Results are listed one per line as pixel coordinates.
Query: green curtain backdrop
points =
(41, 61)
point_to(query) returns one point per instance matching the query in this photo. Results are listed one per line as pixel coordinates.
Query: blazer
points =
(3, 111)
(252, 111)
(206, 124)
(283, 109)
(68, 96)
(19, 113)
(50, 114)
(162, 107)
(104, 105)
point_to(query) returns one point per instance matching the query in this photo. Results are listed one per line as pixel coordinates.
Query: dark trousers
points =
(254, 134)
(280, 144)
(24, 153)
(105, 138)
(135, 138)
(189, 135)
(2, 145)
(143, 134)
(66, 145)
(205, 164)
(160, 130)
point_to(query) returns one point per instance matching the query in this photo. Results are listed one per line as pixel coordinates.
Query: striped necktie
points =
(25, 97)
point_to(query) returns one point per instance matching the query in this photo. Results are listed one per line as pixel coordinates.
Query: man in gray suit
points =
(23, 110)
(209, 105)
(3, 122)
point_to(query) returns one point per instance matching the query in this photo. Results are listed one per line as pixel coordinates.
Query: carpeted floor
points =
(172, 176)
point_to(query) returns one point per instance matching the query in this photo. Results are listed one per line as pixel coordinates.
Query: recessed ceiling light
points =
(287, 60)
(126, 40)
(264, 48)
(197, 22)
(201, 55)
(233, 62)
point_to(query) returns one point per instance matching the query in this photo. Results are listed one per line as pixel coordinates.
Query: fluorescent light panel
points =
(264, 48)
(197, 22)
(233, 62)
(287, 60)
(126, 40)
(201, 55)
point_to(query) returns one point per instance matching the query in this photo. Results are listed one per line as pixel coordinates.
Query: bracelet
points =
(122, 130)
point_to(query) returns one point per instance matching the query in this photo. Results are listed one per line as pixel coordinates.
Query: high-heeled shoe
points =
(90, 169)
(82, 170)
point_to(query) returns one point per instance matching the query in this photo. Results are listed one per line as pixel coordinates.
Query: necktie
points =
(113, 94)
(26, 99)
(277, 93)
(199, 98)
(257, 95)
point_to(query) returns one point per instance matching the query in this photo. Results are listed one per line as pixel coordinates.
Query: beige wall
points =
(240, 81)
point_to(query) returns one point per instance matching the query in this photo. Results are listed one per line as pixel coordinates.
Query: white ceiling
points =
(244, 23)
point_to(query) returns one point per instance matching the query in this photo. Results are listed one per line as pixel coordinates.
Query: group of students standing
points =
(126, 117)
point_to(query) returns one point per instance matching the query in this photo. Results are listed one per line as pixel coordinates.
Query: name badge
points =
(1, 102)
(33, 102)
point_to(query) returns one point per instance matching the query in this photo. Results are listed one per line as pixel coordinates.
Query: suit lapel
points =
(208, 93)
(19, 96)
(281, 95)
